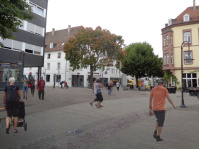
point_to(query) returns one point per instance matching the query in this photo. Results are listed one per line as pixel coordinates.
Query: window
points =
(58, 66)
(187, 57)
(186, 18)
(187, 37)
(58, 78)
(190, 79)
(48, 66)
(171, 40)
(170, 22)
(167, 40)
(59, 55)
(36, 9)
(40, 11)
(48, 56)
(33, 7)
(167, 58)
(51, 45)
(47, 78)
(171, 59)
(164, 41)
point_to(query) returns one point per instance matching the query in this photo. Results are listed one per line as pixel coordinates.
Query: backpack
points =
(12, 93)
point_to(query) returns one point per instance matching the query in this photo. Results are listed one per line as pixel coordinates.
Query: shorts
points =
(99, 97)
(160, 115)
(12, 109)
(118, 88)
(25, 89)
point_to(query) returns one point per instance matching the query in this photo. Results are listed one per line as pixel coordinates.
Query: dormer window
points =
(186, 18)
(51, 45)
(170, 22)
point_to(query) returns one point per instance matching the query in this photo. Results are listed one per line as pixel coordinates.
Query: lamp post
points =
(21, 63)
(182, 104)
(182, 100)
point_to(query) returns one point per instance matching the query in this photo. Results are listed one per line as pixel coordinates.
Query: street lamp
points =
(21, 63)
(182, 104)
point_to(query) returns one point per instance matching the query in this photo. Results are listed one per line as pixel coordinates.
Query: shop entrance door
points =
(77, 81)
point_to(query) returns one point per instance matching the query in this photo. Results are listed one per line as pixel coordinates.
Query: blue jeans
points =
(109, 92)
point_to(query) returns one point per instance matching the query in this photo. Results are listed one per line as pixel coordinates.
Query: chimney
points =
(53, 31)
(194, 5)
(69, 28)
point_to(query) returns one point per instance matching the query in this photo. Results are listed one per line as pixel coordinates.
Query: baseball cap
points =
(161, 81)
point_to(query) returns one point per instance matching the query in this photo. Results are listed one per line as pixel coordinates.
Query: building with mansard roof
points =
(182, 32)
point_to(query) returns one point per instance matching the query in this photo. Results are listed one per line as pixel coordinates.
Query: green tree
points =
(11, 11)
(95, 48)
(169, 75)
(140, 61)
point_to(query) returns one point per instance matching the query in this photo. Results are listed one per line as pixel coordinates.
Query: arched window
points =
(186, 18)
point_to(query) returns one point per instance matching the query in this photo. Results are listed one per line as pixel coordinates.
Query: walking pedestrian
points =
(118, 85)
(25, 87)
(98, 93)
(157, 104)
(32, 87)
(11, 96)
(109, 88)
(41, 86)
(93, 89)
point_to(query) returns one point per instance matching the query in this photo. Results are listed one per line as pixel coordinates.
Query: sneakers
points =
(158, 139)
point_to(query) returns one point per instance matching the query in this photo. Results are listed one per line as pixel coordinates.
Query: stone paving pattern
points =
(123, 122)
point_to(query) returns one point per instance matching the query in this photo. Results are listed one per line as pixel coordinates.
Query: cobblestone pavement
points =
(65, 120)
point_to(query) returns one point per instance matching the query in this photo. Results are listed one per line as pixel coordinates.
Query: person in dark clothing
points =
(41, 86)
(32, 87)
(61, 83)
(11, 96)
(109, 88)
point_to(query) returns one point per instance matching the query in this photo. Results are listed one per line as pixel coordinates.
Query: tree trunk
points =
(91, 76)
(136, 78)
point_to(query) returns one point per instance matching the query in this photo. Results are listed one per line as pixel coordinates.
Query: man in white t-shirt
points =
(97, 91)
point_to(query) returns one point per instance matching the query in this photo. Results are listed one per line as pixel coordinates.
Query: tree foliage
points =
(96, 48)
(140, 61)
(169, 75)
(11, 11)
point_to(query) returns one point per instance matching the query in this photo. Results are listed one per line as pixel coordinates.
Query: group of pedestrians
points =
(12, 96)
(31, 84)
(156, 103)
(28, 84)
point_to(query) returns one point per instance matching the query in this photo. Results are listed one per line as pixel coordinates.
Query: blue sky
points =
(135, 20)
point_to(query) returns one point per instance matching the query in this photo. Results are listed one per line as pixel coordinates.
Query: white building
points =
(57, 69)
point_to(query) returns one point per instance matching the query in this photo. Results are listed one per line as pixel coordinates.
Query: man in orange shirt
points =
(157, 97)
